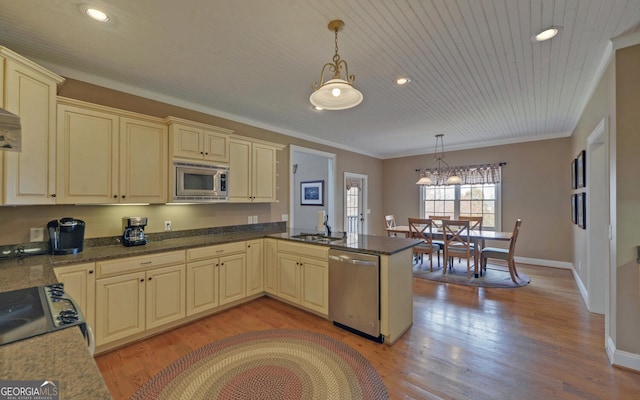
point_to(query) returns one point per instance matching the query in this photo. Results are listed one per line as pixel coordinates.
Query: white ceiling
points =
(476, 75)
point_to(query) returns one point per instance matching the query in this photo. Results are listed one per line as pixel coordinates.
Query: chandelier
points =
(336, 93)
(439, 172)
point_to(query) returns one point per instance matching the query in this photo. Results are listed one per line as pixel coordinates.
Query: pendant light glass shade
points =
(424, 180)
(336, 94)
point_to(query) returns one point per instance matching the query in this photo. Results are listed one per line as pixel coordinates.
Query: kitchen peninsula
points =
(62, 355)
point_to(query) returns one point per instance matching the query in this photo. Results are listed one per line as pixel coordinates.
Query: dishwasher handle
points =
(353, 261)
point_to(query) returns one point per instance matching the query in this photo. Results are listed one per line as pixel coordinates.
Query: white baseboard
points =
(583, 289)
(622, 358)
(544, 263)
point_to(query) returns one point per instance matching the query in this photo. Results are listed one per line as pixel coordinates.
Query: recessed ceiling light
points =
(95, 13)
(546, 34)
(403, 81)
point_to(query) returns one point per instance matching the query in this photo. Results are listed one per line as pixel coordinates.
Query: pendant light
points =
(439, 172)
(337, 93)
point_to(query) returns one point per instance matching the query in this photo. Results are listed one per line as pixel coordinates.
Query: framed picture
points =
(312, 193)
(582, 210)
(574, 208)
(581, 169)
(574, 182)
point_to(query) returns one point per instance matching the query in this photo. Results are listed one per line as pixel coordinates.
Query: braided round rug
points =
(273, 364)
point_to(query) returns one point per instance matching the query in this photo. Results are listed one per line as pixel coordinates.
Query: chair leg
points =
(511, 265)
(515, 271)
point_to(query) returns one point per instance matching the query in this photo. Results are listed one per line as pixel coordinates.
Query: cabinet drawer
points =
(306, 250)
(140, 263)
(202, 253)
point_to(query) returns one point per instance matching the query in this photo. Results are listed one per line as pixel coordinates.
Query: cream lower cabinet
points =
(270, 266)
(303, 275)
(216, 275)
(255, 267)
(138, 294)
(80, 283)
(110, 156)
(28, 90)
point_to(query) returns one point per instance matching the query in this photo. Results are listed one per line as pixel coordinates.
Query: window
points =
(472, 200)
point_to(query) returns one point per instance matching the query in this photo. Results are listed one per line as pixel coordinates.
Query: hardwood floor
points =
(535, 342)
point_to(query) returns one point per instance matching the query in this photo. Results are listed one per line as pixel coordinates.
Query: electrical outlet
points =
(285, 217)
(36, 235)
(249, 219)
(254, 220)
(167, 226)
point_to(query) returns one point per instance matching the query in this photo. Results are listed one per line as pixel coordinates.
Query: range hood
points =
(10, 131)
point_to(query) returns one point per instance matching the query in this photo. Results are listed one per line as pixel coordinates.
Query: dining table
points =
(476, 236)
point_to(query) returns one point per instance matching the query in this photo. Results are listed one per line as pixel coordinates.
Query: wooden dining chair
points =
(475, 223)
(390, 221)
(457, 243)
(421, 228)
(437, 222)
(503, 254)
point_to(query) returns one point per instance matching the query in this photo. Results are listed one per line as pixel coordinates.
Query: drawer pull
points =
(219, 251)
(146, 263)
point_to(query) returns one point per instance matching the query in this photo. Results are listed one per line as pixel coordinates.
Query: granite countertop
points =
(63, 355)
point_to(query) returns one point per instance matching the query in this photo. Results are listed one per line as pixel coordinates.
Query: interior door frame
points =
(329, 188)
(365, 200)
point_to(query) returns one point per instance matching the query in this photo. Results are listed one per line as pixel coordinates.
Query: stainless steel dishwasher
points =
(354, 292)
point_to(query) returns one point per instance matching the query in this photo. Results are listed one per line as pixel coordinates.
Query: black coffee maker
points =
(133, 234)
(66, 236)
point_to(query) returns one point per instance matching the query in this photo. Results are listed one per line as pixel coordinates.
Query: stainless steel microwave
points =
(200, 182)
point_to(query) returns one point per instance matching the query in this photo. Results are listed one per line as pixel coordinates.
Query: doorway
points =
(310, 165)
(355, 203)
(598, 218)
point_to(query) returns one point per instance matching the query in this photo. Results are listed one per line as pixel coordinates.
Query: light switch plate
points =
(36, 235)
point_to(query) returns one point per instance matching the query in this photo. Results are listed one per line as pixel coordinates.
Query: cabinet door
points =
(270, 266)
(120, 307)
(255, 282)
(240, 171)
(232, 278)
(202, 286)
(87, 145)
(186, 141)
(215, 146)
(165, 294)
(289, 277)
(80, 283)
(143, 161)
(263, 168)
(31, 173)
(315, 285)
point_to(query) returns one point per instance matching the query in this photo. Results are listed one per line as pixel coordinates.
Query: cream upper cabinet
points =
(252, 171)
(29, 91)
(197, 141)
(110, 156)
(80, 283)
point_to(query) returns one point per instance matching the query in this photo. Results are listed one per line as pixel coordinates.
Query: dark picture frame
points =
(574, 178)
(581, 170)
(574, 208)
(312, 193)
(582, 210)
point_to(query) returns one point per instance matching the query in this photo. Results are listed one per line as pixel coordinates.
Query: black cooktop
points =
(33, 311)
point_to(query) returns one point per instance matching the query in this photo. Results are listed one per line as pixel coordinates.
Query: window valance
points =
(469, 174)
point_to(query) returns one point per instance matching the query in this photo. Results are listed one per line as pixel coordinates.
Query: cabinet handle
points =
(222, 264)
(123, 196)
(141, 279)
(115, 196)
(206, 154)
(150, 277)
(146, 263)
(91, 271)
(202, 152)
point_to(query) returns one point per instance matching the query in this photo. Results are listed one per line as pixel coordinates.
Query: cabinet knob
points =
(202, 152)
(115, 196)
(206, 154)
(141, 279)
(123, 196)
(53, 195)
(150, 277)
(91, 271)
